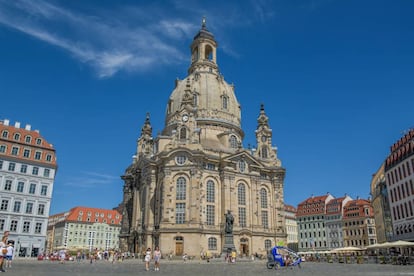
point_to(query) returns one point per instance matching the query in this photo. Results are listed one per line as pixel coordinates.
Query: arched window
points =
(5, 134)
(264, 152)
(194, 57)
(208, 51)
(212, 244)
(183, 133)
(17, 136)
(241, 194)
(181, 188)
(28, 139)
(233, 142)
(210, 191)
(263, 198)
(225, 101)
(195, 99)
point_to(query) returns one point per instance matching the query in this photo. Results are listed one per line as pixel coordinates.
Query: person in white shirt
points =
(9, 255)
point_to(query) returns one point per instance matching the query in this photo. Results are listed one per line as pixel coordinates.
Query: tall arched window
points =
(241, 194)
(181, 188)
(263, 198)
(195, 99)
(225, 102)
(233, 142)
(183, 133)
(264, 152)
(210, 191)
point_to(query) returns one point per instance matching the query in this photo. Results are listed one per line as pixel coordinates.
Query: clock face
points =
(185, 118)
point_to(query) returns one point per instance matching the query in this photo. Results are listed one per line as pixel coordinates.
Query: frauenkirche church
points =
(183, 181)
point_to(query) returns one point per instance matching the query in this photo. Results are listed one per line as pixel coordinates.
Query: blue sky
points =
(336, 78)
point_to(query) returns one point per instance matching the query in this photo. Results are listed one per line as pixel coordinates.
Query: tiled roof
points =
(90, 215)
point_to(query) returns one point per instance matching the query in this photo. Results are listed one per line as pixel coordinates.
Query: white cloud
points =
(107, 45)
(89, 180)
(125, 38)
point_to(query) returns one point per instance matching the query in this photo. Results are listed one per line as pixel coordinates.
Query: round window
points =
(180, 160)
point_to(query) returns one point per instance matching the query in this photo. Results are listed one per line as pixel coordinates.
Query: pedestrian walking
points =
(147, 258)
(157, 258)
(3, 250)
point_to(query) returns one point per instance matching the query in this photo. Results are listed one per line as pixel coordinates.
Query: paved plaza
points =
(196, 268)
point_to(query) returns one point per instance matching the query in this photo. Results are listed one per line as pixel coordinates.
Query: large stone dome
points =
(204, 94)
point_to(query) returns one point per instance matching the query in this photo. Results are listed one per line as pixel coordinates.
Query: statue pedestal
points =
(228, 243)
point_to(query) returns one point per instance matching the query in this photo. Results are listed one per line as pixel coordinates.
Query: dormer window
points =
(233, 142)
(224, 101)
(17, 136)
(28, 139)
(5, 134)
(38, 141)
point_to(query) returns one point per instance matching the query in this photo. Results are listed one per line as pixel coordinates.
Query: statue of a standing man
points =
(229, 222)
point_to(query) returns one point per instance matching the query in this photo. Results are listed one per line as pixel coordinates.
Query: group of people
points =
(156, 256)
(6, 252)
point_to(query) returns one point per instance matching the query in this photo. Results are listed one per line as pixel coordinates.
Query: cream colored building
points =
(183, 181)
(291, 227)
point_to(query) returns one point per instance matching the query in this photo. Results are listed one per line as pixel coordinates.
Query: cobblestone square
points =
(136, 267)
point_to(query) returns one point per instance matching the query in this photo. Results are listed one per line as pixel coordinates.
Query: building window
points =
(265, 219)
(8, 185)
(23, 168)
(4, 205)
(210, 191)
(12, 166)
(43, 191)
(264, 152)
(225, 102)
(35, 171)
(29, 208)
(1, 164)
(16, 207)
(32, 188)
(212, 244)
(180, 213)
(26, 227)
(2, 148)
(13, 226)
(16, 136)
(2, 223)
(242, 217)
(263, 198)
(46, 173)
(26, 153)
(210, 214)
(241, 194)
(181, 189)
(5, 134)
(15, 151)
(20, 187)
(28, 139)
(38, 141)
(41, 209)
(183, 133)
(233, 142)
(38, 155)
(268, 244)
(181, 159)
(242, 166)
(38, 228)
(48, 158)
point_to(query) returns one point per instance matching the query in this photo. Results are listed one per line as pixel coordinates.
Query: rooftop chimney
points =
(6, 122)
(17, 124)
(28, 127)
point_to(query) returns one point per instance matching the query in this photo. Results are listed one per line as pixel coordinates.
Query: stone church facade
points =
(183, 181)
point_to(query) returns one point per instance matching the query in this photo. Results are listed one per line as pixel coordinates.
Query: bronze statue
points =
(229, 222)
